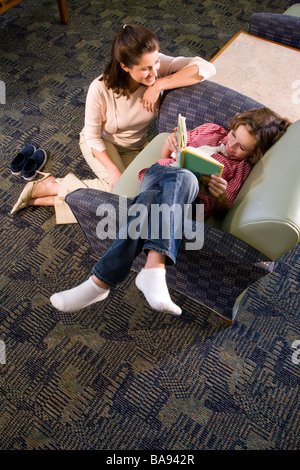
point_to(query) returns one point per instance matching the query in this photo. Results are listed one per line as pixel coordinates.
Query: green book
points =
(195, 159)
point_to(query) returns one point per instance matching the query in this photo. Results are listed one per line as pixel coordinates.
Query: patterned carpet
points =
(118, 375)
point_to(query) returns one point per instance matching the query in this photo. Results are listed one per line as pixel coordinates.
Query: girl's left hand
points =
(151, 99)
(217, 188)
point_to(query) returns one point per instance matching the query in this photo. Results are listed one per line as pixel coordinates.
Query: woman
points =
(251, 134)
(123, 101)
(120, 105)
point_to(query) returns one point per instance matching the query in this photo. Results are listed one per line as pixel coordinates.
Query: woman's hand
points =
(113, 170)
(113, 177)
(151, 99)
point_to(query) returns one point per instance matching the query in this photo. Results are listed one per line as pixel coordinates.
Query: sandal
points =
(26, 194)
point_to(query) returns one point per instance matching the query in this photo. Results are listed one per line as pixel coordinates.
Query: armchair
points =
(283, 28)
(261, 226)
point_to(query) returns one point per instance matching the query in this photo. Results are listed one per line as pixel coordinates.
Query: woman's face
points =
(240, 143)
(145, 72)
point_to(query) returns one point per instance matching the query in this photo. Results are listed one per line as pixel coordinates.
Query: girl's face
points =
(240, 143)
(145, 72)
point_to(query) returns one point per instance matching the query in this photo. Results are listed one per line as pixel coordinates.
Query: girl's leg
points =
(151, 281)
(115, 264)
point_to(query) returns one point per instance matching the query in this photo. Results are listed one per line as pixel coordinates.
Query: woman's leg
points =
(97, 167)
(52, 192)
(44, 192)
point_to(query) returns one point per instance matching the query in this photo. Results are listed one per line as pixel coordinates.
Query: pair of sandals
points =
(28, 163)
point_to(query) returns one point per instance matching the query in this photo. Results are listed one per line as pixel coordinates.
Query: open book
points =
(195, 159)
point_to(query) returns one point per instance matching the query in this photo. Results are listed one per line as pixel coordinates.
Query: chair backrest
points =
(204, 102)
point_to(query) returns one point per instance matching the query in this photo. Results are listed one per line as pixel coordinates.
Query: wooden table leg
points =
(63, 11)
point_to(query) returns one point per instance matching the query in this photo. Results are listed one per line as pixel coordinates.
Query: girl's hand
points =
(170, 145)
(171, 141)
(151, 99)
(217, 188)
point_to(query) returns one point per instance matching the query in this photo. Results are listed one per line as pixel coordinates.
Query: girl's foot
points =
(79, 297)
(152, 282)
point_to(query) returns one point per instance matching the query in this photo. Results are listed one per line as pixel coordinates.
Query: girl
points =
(250, 135)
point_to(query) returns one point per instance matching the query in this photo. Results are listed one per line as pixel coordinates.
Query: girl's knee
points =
(189, 179)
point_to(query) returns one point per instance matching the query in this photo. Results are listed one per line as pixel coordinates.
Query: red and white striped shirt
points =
(235, 171)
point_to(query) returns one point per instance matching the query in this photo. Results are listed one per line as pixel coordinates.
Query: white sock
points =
(152, 282)
(79, 297)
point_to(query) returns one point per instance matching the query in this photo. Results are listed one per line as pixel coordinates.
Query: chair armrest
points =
(284, 29)
(215, 275)
(204, 102)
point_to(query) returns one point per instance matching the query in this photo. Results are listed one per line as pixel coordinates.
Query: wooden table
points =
(62, 7)
(264, 70)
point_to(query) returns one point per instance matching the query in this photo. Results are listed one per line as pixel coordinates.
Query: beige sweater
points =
(123, 121)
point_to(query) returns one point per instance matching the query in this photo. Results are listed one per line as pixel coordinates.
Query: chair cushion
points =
(293, 10)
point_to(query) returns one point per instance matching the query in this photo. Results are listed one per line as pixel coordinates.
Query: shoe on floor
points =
(26, 194)
(19, 161)
(33, 164)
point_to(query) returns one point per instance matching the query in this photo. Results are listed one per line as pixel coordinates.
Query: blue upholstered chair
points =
(261, 226)
(282, 28)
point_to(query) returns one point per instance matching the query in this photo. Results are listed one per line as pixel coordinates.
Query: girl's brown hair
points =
(129, 45)
(266, 126)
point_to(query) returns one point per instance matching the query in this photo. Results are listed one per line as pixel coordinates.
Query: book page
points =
(181, 132)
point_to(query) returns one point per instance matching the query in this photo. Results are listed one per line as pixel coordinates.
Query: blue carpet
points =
(118, 375)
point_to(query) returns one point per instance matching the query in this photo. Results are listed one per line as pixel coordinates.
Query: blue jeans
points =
(160, 185)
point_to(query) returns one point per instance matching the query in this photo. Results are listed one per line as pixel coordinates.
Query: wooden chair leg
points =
(227, 322)
(6, 6)
(63, 11)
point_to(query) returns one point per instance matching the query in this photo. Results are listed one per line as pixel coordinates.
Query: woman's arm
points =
(186, 77)
(96, 105)
(177, 72)
(97, 102)
(105, 160)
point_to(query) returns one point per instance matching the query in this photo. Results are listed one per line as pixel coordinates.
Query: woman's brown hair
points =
(129, 45)
(266, 126)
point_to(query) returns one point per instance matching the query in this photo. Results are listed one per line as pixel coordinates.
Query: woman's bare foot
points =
(46, 187)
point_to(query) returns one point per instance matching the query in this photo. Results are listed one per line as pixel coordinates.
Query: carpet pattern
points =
(118, 375)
